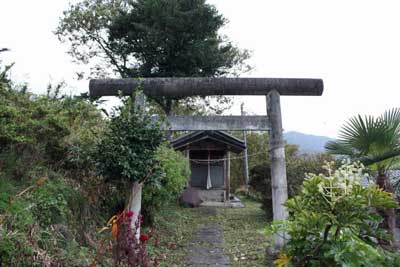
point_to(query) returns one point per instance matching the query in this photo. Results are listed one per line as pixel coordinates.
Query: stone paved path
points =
(206, 247)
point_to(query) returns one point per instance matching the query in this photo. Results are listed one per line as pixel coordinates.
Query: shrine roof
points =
(232, 143)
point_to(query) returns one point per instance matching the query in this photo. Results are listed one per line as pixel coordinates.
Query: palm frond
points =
(390, 120)
(359, 133)
(338, 148)
(368, 139)
(371, 159)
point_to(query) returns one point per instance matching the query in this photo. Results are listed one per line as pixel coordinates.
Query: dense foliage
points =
(130, 152)
(333, 222)
(152, 38)
(174, 38)
(174, 170)
(257, 149)
(51, 124)
(297, 168)
(63, 138)
(375, 141)
(46, 136)
(126, 153)
(42, 226)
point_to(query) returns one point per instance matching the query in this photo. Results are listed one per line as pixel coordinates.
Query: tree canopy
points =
(151, 38)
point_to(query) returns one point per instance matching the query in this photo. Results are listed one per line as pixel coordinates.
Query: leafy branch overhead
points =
(151, 38)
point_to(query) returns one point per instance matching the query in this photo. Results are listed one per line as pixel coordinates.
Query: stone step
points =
(212, 195)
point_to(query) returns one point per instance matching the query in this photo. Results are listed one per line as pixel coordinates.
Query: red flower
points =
(143, 238)
(129, 213)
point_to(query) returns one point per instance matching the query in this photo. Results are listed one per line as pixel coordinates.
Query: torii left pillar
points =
(135, 200)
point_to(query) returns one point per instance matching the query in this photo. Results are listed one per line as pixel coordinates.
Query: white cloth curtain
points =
(209, 185)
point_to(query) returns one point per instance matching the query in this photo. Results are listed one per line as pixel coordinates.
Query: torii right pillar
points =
(278, 163)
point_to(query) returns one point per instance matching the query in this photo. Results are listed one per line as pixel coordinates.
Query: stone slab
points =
(206, 247)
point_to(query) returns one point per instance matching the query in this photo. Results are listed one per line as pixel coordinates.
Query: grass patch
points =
(245, 242)
(173, 227)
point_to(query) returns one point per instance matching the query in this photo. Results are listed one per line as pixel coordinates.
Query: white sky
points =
(353, 45)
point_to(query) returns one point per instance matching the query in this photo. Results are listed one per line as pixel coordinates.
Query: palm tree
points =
(376, 143)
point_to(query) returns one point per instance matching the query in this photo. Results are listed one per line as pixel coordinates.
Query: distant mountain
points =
(307, 143)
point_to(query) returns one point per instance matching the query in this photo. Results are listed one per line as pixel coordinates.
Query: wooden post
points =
(278, 164)
(246, 158)
(228, 174)
(187, 154)
(225, 176)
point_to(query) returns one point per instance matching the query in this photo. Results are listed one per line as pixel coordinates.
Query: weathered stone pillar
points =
(135, 200)
(135, 205)
(278, 163)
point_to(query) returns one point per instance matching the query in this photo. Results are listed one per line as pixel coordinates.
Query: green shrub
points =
(51, 200)
(297, 168)
(38, 223)
(333, 222)
(27, 120)
(257, 149)
(86, 129)
(174, 169)
(126, 153)
(53, 136)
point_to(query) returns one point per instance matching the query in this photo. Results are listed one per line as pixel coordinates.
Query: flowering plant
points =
(127, 245)
(333, 221)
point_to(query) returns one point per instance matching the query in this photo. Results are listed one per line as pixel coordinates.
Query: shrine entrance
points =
(208, 169)
(178, 88)
(209, 155)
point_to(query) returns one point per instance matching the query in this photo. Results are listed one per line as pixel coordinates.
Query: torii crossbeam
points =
(272, 88)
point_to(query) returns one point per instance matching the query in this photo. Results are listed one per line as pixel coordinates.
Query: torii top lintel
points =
(185, 87)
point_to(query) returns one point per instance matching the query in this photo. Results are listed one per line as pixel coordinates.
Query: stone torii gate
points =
(272, 88)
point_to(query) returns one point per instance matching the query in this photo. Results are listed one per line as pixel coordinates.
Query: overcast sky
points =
(354, 46)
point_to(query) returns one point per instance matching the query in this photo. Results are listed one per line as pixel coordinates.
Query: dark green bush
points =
(257, 148)
(86, 129)
(27, 120)
(51, 201)
(175, 171)
(127, 151)
(297, 167)
(40, 136)
(39, 221)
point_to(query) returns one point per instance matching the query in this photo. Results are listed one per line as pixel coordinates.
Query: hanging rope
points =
(207, 161)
